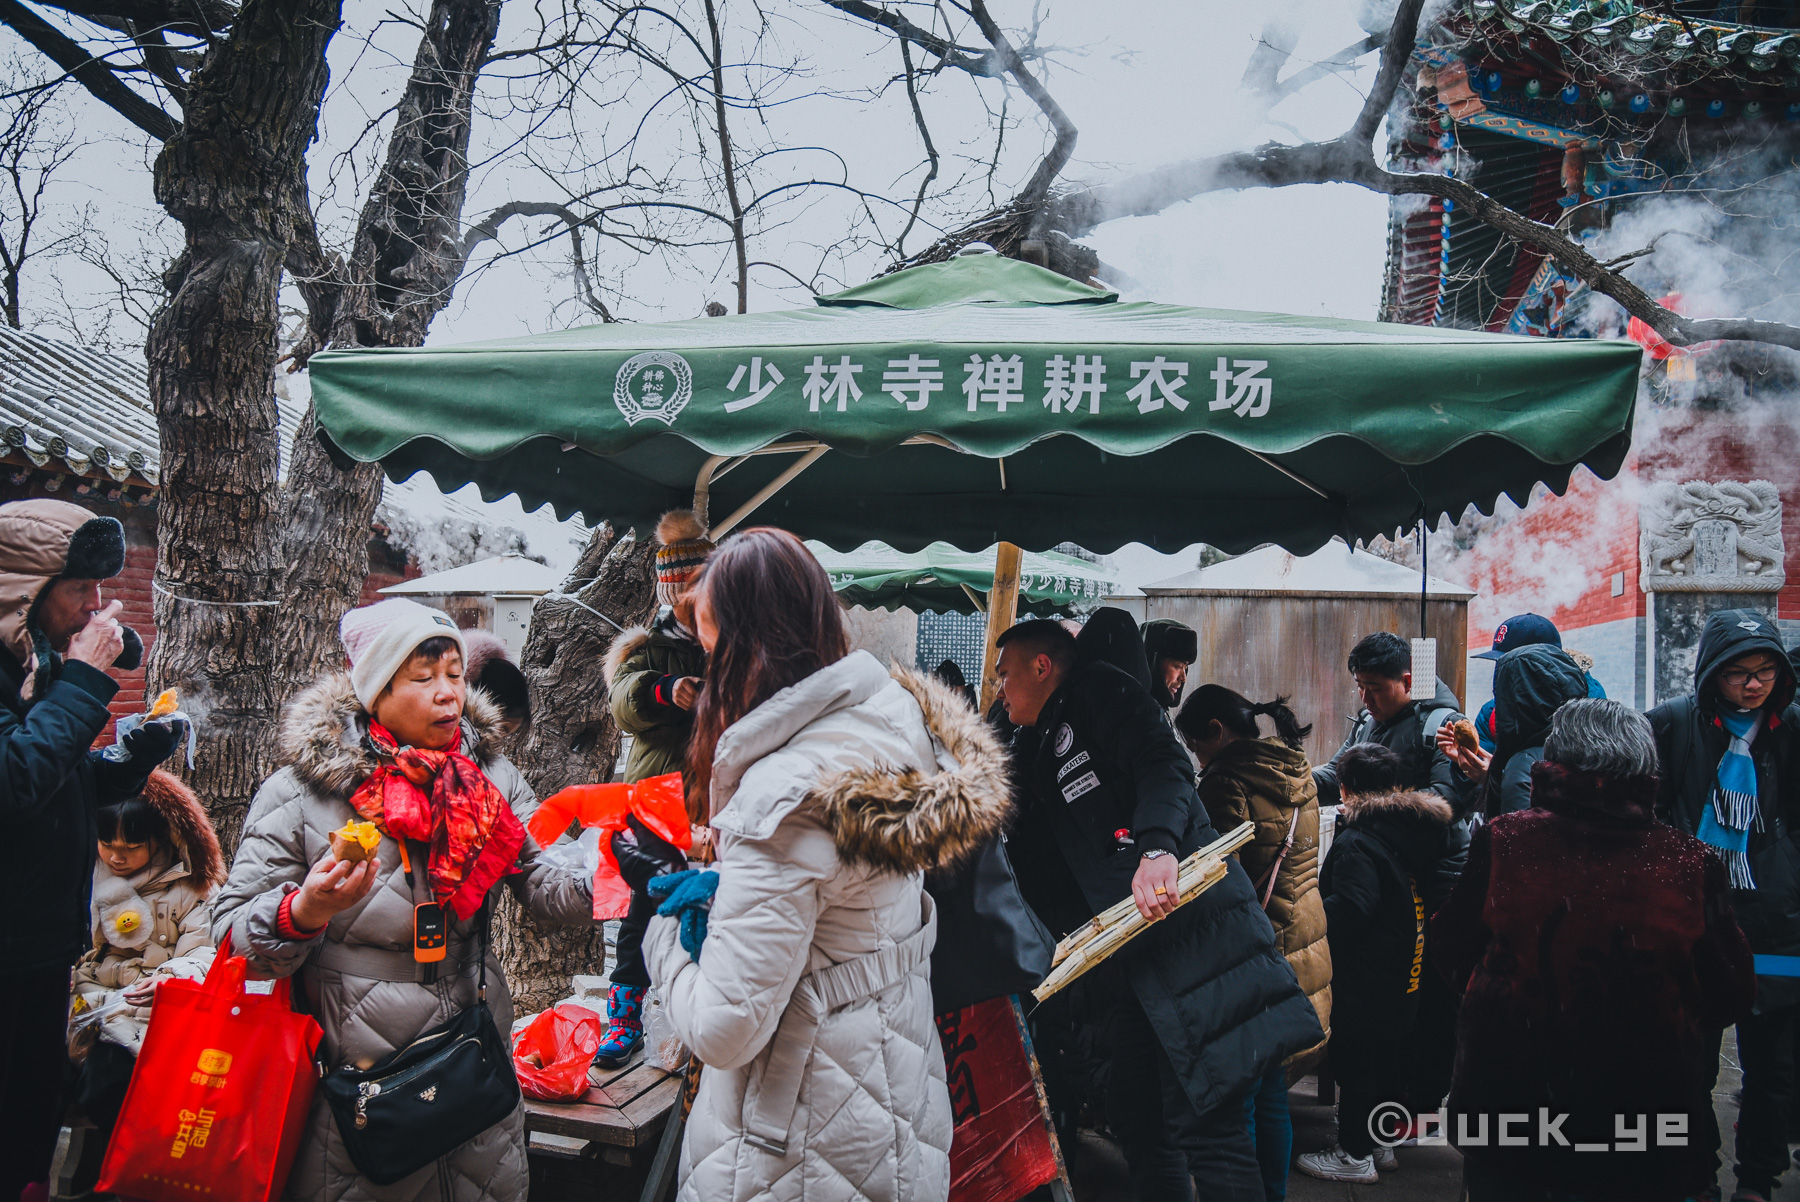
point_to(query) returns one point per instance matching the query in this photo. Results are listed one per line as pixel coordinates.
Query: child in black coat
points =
(1391, 855)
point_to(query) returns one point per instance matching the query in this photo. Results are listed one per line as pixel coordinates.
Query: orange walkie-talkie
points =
(431, 934)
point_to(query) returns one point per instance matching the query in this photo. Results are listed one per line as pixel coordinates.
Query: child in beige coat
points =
(151, 914)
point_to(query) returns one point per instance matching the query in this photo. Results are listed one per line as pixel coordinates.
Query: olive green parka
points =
(641, 669)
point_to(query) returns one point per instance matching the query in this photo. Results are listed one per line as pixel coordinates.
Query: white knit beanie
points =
(381, 637)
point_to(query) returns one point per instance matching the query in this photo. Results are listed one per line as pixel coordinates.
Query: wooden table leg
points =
(660, 1185)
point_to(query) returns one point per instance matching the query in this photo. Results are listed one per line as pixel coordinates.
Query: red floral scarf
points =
(443, 800)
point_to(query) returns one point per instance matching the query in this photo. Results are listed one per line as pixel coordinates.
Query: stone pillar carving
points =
(1721, 537)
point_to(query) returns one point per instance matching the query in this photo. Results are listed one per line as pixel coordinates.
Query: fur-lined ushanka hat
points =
(42, 540)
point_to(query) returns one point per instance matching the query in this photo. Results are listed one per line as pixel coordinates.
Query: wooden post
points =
(1003, 607)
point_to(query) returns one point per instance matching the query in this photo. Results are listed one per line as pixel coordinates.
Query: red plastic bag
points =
(553, 1053)
(219, 1098)
(659, 802)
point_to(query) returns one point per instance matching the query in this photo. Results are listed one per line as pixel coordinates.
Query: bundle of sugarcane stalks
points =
(1118, 925)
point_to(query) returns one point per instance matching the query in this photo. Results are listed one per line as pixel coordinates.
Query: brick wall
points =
(1561, 555)
(132, 586)
(387, 566)
(1558, 558)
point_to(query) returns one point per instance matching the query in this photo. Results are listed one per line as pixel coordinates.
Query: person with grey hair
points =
(1597, 957)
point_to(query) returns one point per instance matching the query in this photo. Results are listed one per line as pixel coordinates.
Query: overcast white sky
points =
(1146, 81)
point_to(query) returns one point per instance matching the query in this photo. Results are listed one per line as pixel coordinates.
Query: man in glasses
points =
(1730, 758)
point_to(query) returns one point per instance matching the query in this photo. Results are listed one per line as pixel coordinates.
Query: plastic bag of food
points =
(662, 1047)
(553, 1053)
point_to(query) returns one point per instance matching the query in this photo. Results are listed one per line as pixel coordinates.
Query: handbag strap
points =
(1266, 886)
(383, 964)
(486, 912)
(487, 920)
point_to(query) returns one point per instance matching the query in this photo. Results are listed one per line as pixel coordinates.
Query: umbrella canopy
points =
(941, 578)
(986, 399)
(502, 575)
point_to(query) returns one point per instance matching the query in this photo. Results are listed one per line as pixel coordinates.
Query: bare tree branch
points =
(912, 97)
(963, 58)
(727, 161)
(1038, 186)
(195, 18)
(90, 72)
(1395, 55)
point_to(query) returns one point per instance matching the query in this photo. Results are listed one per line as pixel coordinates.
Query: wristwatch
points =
(1156, 853)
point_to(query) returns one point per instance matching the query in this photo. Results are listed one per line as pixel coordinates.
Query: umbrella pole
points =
(1002, 608)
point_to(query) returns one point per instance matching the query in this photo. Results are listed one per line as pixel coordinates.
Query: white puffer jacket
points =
(811, 1003)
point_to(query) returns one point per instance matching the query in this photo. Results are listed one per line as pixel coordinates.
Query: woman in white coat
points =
(831, 786)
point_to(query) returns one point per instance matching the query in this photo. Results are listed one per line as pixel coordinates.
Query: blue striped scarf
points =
(1725, 823)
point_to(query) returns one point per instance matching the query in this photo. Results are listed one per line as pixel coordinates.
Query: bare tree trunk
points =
(403, 266)
(573, 739)
(230, 176)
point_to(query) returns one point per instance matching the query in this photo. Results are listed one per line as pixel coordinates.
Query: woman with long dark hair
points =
(831, 787)
(1246, 777)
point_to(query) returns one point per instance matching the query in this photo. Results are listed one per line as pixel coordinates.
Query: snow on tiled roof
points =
(70, 408)
(67, 407)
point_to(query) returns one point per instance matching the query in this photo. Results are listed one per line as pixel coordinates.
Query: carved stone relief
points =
(1701, 537)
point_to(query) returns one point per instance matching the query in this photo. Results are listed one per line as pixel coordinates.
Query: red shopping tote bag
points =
(220, 1095)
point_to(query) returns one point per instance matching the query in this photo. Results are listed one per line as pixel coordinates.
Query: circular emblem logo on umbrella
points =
(654, 384)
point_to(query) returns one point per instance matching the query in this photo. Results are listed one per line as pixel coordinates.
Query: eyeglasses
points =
(1738, 677)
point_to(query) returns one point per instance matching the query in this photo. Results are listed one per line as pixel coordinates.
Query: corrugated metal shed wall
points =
(1295, 646)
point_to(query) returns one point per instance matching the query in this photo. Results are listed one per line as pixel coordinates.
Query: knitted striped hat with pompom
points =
(682, 554)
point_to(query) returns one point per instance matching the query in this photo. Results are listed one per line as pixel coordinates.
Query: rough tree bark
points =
(233, 172)
(402, 268)
(572, 739)
(230, 176)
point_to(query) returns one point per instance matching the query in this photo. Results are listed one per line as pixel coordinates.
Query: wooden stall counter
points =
(623, 1108)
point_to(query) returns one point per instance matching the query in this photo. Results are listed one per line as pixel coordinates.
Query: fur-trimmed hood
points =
(196, 844)
(843, 743)
(910, 821)
(665, 629)
(1414, 827)
(627, 642)
(324, 729)
(1369, 806)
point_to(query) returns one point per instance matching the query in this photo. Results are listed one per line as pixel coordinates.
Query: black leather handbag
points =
(990, 943)
(441, 1090)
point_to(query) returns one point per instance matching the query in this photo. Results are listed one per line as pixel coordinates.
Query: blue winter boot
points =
(625, 1030)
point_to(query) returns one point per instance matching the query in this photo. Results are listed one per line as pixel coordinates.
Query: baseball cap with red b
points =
(1522, 631)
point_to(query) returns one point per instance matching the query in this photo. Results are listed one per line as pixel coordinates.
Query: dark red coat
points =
(1595, 950)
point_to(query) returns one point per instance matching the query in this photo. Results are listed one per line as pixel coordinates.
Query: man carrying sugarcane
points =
(1203, 1003)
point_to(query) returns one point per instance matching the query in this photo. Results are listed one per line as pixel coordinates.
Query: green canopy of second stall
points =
(942, 579)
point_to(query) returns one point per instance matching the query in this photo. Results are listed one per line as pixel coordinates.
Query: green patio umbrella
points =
(941, 578)
(986, 400)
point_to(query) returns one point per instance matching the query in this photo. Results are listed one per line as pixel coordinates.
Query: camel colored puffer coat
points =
(1266, 782)
(368, 1017)
(811, 1002)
